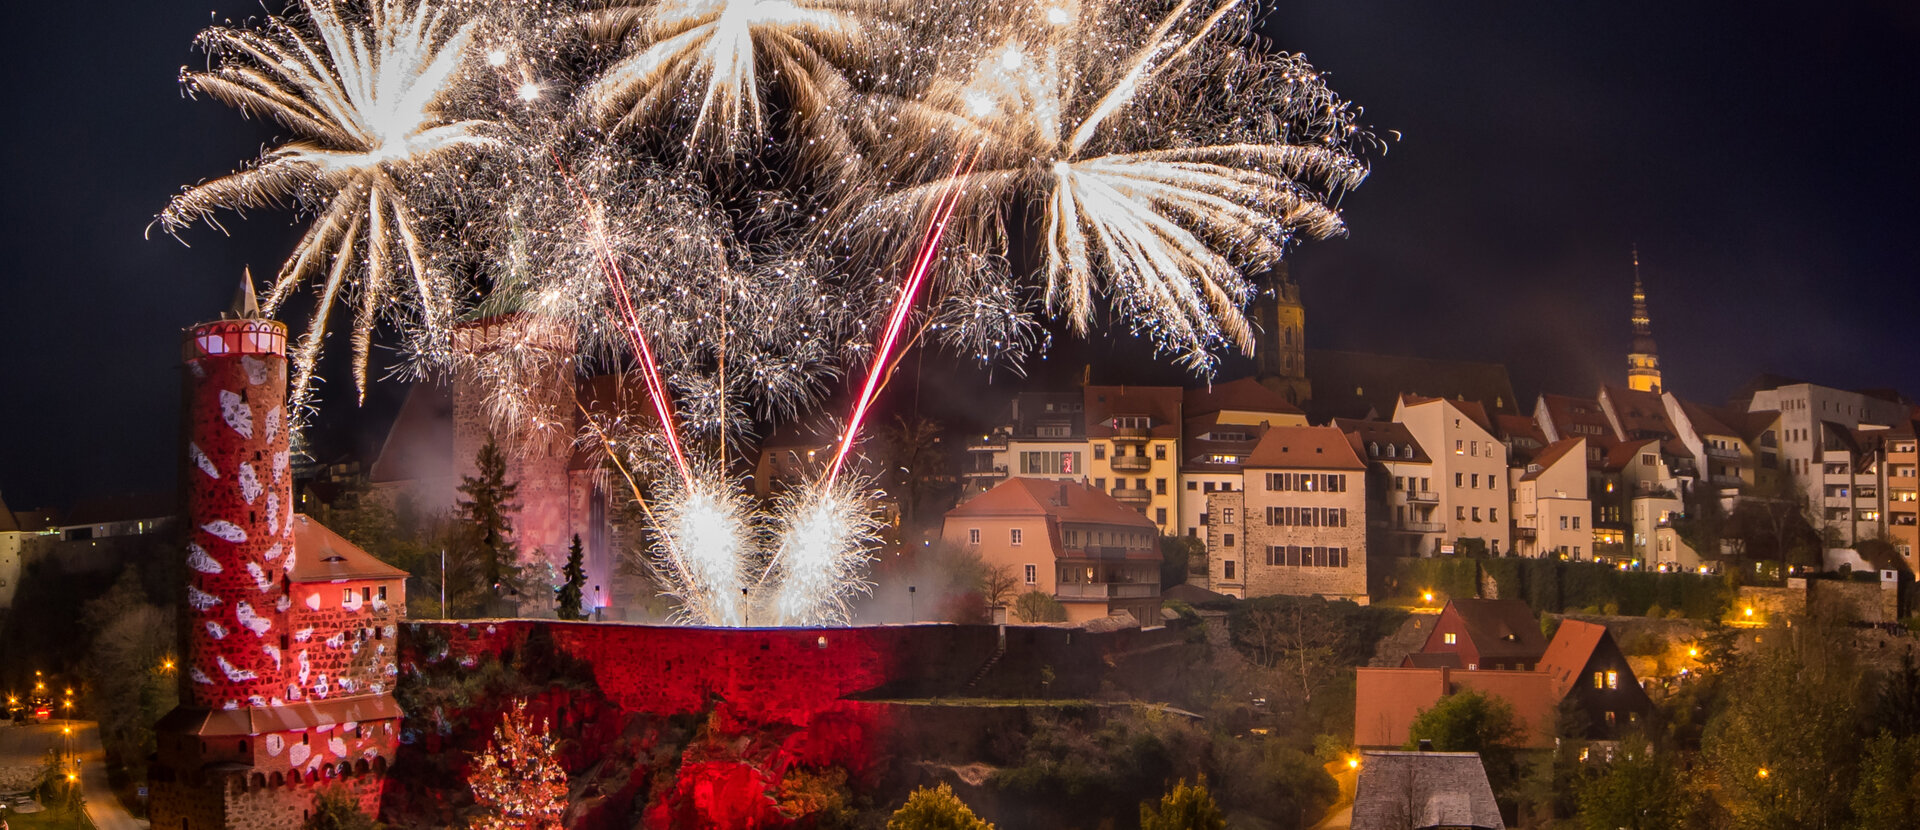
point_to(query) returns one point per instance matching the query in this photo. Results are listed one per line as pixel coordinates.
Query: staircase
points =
(999, 651)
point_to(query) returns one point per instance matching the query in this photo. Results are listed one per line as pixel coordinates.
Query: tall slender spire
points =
(1643, 362)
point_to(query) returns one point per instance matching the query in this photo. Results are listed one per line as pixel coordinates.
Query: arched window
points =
(1373, 449)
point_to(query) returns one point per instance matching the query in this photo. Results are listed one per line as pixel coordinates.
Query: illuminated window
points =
(1599, 680)
(1450, 638)
(1613, 680)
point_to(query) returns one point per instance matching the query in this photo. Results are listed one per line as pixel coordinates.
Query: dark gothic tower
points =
(1643, 363)
(1281, 357)
(288, 631)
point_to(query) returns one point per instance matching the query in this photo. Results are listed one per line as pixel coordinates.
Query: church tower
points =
(1281, 358)
(287, 634)
(1643, 363)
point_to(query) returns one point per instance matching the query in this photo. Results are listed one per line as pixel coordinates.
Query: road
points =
(28, 745)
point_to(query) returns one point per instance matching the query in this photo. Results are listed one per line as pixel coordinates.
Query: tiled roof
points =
(1198, 450)
(261, 720)
(1066, 501)
(1473, 411)
(1567, 656)
(1304, 448)
(1433, 660)
(1708, 420)
(1501, 629)
(1551, 455)
(322, 555)
(1639, 411)
(1518, 426)
(420, 443)
(1245, 394)
(1422, 790)
(1366, 433)
(1621, 454)
(1159, 403)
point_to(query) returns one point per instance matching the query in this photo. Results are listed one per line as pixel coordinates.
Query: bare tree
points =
(1295, 641)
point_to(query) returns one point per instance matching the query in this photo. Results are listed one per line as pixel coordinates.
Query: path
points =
(27, 746)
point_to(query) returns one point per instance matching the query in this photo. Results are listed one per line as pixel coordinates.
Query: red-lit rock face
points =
(240, 513)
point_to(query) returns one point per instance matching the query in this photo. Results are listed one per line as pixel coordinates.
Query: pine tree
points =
(570, 591)
(517, 782)
(489, 498)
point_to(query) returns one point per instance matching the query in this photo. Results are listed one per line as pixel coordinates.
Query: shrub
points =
(935, 809)
(1188, 807)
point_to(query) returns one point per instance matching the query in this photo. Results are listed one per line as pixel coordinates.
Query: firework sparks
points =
(364, 94)
(825, 532)
(704, 550)
(702, 59)
(1160, 165)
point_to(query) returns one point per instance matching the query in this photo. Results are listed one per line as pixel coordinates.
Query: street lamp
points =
(1353, 763)
(1426, 596)
(1763, 772)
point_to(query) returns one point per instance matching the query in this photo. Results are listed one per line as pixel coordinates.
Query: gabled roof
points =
(1304, 448)
(1198, 449)
(1472, 410)
(1065, 501)
(321, 555)
(1551, 455)
(1621, 454)
(1367, 433)
(1245, 394)
(1159, 403)
(36, 521)
(1754, 424)
(1516, 427)
(1501, 629)
(1422, 790)
(1567, 656)
(1639, 411)
(1433, 660)
(419, 445)
(1565, 411)
(1707, 420)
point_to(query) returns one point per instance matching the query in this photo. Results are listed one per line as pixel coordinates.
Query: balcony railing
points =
(1132, 495)
(1423, 497)
(1722, 452)
(1132, 433)
(995, 443)
(1525, 533)
(1421, 527)
(1106, 590)
(1727, 481)
(995, 472)
(1131, 463)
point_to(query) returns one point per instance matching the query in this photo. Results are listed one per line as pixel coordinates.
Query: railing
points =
(1525, 533)
(995, 472)
(1423, 497)
(1131, 463)
(1132, 495)
(1722, 452)
(1132, 433)
(1421, 527)
(995, 444)
(1105, 590)
(1727, 481)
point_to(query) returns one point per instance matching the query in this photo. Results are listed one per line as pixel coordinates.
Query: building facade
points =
(1469, 469)
(1299, 526)
(1092, 553)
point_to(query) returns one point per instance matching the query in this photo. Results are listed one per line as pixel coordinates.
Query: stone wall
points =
(343, 636)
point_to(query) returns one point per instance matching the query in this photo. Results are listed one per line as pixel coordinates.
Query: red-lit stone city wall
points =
(761, 703)
(239, 498)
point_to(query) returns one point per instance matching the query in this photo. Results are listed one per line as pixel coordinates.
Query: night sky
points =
(1762, 160)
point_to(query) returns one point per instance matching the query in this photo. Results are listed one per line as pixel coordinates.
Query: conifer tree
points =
(483, 512)
(569, 594)
(517, 782)
(1188, 807)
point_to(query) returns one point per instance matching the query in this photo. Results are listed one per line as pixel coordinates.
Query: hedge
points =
(1557, 586)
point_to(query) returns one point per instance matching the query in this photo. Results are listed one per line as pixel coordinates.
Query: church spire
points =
(1643, 362)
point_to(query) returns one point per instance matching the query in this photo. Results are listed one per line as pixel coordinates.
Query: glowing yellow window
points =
(1450, 638)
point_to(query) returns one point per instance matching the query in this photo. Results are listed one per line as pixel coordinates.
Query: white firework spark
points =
(1161, 168)
(704, 60)
(364, 93)
(704, 549)
(824, 536)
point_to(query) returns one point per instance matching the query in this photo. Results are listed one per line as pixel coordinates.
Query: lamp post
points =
(913, 610)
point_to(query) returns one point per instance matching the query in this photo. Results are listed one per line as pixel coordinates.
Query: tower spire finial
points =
(1643, 363)
(245, 302)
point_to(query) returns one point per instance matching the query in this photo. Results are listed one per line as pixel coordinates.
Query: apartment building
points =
(1045, 437)
(1469, 469)
(1804, 408)
(1551, 513)
(1093, 554)
(1901, 485)
(1133, 437)
(1224, 422)
(1298, 527)
(1401, 500)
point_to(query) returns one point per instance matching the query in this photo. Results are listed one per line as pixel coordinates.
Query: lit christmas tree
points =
(517, 781)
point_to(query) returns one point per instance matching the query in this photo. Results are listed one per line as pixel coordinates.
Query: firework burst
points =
(364, 93)
(824, 533)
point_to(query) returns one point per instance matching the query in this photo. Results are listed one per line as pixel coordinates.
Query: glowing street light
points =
(1693, 652)
(1749, 612)
(167, 664)
(1763, 772)
(1353, 763)
(1426, 596)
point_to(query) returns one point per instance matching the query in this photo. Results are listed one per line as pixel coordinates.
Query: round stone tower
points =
(239, 511)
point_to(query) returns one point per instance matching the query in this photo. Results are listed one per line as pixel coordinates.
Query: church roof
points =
(1351, 383)
(1245, 394)
(321, 555)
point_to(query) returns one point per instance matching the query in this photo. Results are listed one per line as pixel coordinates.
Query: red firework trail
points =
(902, 309)
(595, 223)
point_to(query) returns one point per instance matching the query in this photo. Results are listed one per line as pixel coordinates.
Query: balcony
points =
(1421, 527)
(1106, 590)
(1727, 453)
(985, 443)
(1131, 463)
(1422, 497)
(1136, 496)
(994, 472)
(1132, 435)
(1525, 533)
(1727, 481)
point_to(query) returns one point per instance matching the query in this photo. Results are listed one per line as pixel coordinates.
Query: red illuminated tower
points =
(287, 630)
